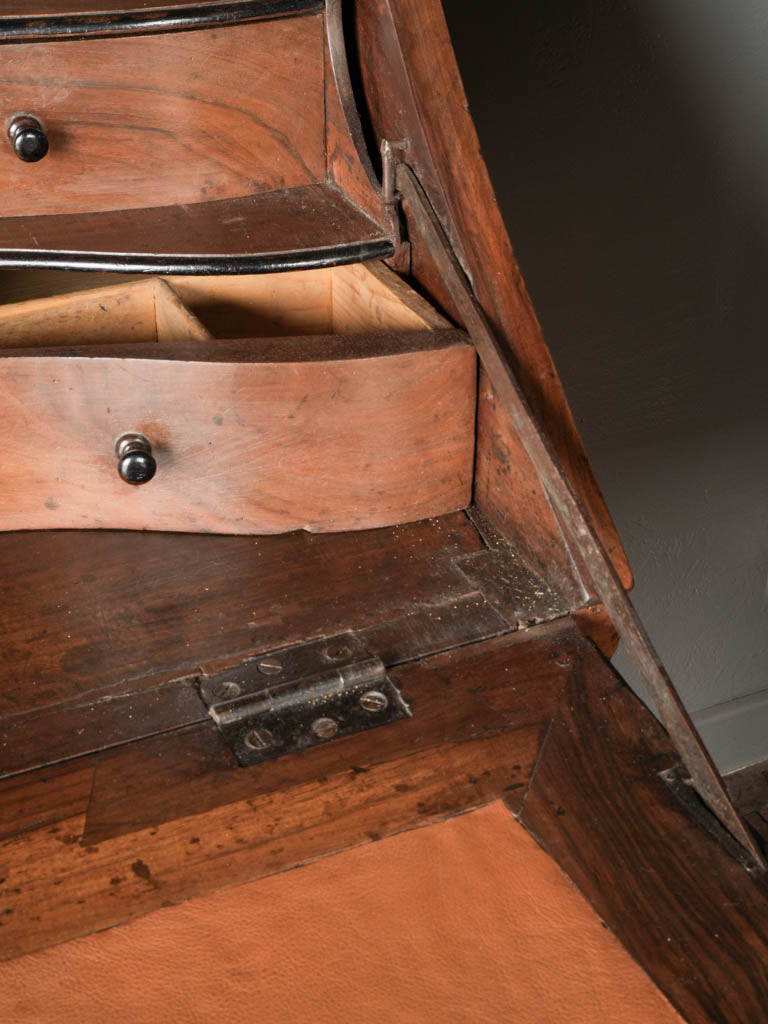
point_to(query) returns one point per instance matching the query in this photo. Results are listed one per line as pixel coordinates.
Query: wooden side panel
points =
(173, 321)
(241, 447)
(414, 92)
(370, 297)
(510, 493)
(687, 911)
(138, 312)
(348, 164)
(172, 118)
(260, 305)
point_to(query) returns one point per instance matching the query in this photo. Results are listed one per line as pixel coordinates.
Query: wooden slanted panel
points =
(413, 92)
(658, 869)
(371, 431)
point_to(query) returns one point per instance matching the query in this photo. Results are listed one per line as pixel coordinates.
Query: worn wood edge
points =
(178, 18)
(303, 348)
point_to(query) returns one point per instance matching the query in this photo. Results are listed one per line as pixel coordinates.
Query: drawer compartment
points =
(369, 426)
(139, 311)
(176, 118)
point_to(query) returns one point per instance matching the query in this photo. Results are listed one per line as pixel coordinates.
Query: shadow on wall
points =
(628, 144)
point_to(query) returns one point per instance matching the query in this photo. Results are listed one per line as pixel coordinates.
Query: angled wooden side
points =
(650, 858)
(413, 91)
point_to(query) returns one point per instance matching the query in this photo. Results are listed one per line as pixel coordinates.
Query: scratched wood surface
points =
(164, 119)
(681, 903)
(113, 836)
(197, 599)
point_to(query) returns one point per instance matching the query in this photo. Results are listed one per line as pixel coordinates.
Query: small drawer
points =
(340, 401)
(157, 120)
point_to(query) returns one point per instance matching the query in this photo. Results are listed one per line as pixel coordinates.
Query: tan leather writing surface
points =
(466, 921)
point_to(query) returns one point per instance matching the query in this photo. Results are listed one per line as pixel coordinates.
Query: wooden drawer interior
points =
(147, 310)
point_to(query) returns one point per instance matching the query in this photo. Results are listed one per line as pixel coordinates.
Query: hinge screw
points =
(324, 728)
(259, 739)
(374, 700)
(269, 666)
(228, 691)
(337, 652)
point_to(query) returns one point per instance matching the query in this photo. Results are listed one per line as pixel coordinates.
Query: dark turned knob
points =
(135, 462)
(29, 141)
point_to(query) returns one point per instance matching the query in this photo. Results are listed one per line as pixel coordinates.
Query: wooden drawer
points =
(363, 416)
(154, 120)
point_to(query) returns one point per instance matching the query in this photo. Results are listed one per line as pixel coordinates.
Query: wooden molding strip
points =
(173, 17)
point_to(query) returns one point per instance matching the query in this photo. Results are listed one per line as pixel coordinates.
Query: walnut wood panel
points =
(689, 913)
(167, 119)
(414, 92)
(142, 311)
(120, 611)
(310, 226)
(473, 737)
(242, 447)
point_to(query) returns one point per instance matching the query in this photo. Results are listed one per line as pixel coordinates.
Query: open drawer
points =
(361, 414)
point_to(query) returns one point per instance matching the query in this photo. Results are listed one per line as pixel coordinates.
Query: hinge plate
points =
(297, 697)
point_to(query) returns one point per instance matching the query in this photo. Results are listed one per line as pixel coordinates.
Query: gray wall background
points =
(628, 144)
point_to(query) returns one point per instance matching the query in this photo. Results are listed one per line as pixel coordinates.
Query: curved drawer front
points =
(157, 120)
(242, 444)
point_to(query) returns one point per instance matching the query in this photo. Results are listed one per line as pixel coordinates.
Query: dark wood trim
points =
(59, 27)
(253, 263)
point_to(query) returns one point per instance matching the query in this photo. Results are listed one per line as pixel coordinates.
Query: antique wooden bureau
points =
(301, 546)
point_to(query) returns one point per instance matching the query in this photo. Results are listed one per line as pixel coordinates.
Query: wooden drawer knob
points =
(135, 462)
(29, 141)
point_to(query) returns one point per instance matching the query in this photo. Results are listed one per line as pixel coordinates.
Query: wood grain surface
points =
(171, 818)
(654, 868)
(141, 311)
(166, 119)
(242, 446)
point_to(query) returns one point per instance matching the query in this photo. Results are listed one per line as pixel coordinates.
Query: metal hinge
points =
(299, 696)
